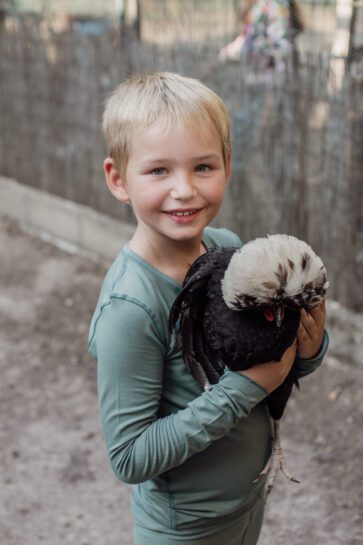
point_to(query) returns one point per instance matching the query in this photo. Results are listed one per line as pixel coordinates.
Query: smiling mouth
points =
(181, 213)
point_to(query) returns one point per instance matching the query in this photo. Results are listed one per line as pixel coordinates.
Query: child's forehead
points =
(199, 130)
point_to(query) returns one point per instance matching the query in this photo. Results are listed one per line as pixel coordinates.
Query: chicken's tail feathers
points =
(189, 340)
(187, 316)
(197, 354)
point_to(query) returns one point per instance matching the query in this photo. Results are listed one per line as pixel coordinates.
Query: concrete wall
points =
(71, 226)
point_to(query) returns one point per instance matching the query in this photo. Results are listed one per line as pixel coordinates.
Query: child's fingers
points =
(307, 323)
(318, 313)
(292, 346)
(314, 318)
(302, 334)
(290, 352)
(310, 335)
(310, 330)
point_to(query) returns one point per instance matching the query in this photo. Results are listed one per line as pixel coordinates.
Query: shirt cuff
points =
(246, 383)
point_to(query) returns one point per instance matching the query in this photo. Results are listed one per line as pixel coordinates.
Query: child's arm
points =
(131, 360)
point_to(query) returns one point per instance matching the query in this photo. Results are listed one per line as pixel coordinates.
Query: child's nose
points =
(184, 187)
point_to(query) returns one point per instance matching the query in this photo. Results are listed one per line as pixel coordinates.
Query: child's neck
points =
(171, 258)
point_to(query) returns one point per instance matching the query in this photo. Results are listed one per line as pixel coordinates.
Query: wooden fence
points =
(297, 139)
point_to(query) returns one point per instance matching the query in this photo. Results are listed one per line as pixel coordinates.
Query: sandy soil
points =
(56, 486)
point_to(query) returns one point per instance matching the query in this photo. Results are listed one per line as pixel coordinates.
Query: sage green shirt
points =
(190, 453)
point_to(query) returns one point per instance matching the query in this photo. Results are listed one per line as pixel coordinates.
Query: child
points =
(192, 454)
(267, 37)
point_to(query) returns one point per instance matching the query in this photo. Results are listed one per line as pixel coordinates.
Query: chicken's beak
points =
(278, 313)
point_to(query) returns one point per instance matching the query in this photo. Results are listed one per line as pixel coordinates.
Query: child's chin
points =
(185, 236)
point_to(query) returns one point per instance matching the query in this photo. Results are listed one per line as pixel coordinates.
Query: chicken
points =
(240, 307)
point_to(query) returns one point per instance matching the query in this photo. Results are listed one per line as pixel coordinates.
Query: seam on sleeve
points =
(133, 300)
(96, 321)
(120, 274)
(137, 302)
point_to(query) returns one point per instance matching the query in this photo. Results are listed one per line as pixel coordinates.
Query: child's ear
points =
(114, 181)
(228, 168)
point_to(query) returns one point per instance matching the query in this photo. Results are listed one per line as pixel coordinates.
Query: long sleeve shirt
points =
(191, 453)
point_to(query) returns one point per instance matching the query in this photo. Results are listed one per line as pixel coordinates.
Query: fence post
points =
(341, 43)
(132, 17)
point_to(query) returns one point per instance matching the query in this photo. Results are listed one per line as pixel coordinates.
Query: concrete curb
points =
(71, 226)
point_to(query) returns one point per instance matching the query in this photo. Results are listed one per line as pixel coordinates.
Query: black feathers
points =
(225, 319)
(192, 307)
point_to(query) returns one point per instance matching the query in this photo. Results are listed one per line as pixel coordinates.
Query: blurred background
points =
(297, 131)
(291, 74)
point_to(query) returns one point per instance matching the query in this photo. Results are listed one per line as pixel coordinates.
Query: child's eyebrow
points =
(209, 157)
(148, 162)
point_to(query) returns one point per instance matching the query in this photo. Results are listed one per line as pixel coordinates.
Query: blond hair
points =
(143, 99)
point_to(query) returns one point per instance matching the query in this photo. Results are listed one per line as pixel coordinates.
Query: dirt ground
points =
(56, 486)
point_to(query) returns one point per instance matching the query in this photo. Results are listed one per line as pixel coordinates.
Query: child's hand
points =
(310, 332)
(272, 374)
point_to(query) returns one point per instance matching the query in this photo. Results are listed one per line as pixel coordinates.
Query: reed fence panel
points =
(297, 137)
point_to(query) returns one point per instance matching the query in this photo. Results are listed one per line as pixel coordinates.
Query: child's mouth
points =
(182, 216)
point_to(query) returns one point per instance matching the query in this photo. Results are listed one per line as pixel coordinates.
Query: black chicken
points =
(239, 307)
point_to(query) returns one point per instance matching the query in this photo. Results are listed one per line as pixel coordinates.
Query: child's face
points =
(175, 181)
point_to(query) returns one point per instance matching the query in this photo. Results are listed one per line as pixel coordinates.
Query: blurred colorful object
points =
(267, 36)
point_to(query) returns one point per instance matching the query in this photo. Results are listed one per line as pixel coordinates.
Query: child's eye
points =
(159, 171)
(203, 168)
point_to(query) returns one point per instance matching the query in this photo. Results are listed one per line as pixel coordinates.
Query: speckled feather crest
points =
(272, 270)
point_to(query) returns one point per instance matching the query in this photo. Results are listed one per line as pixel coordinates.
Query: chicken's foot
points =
(275, 463)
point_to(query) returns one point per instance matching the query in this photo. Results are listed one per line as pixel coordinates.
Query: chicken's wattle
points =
(269, 314)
